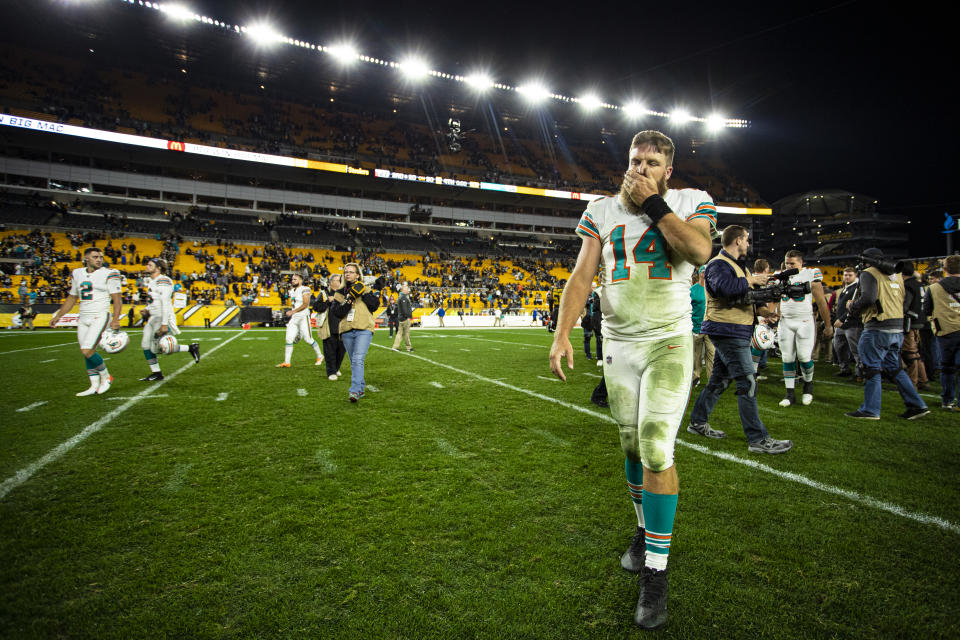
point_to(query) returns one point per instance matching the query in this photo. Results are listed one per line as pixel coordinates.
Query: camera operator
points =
(880, 307)
(913, 321)
(355, 304)
(942, 306)
(729, 321)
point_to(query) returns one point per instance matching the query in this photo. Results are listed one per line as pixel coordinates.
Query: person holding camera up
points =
(729, 321)
(355, 305)
(880, 307)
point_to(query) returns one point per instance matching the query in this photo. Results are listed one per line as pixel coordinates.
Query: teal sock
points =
(658, 512)
(635, 485)
(94, 361)
(806, 370)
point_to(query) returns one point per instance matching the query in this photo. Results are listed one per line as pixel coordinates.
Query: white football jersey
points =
(93, 290)
(646, 295)
(800, 307)
(160, 297)
(296, 299)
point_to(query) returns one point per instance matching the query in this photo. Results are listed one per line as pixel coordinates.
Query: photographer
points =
(942, 306)
(880, 307)
(355, 305)
(729, 321)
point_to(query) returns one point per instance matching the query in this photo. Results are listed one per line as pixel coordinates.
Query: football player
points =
(160, 319)
(797, 332)
(298, 326)
(648, 240)
(98, 289)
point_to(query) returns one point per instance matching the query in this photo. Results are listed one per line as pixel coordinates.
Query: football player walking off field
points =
(161, 320)
(98, 289)
(646, 241)
(798, 328)
(298, 326)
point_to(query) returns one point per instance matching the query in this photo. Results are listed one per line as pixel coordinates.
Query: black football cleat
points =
(153, 377)
(195, 351)
(652, 606)
(636, 554)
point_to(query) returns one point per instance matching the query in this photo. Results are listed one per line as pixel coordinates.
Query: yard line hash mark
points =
(223, 396)
(853, 496)
(31, 407)
(63, 448)
(302, 392)
(436, 384)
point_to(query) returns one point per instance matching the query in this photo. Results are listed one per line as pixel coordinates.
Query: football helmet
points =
(114, 341)
(763, 338)
(167, 344)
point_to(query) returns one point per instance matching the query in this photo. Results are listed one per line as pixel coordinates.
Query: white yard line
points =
(31, 407)
(433, 382)
(63, 448)
(50, 360)
(853, 496)
(223, 396)
(141, 397)
(52, 346)
(548, 378)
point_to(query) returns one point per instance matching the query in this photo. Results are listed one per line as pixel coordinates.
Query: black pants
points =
(394, 326)
(333, 352)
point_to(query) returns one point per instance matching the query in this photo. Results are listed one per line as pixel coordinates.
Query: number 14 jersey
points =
(645, 287)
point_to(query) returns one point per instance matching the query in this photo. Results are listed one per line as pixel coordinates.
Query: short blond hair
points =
(658, 141)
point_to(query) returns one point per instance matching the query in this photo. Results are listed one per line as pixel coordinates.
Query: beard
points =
(634, 207)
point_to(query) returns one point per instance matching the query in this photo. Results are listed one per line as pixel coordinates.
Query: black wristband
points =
(655, 207)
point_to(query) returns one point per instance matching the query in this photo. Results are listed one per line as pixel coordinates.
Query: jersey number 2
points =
(648, 250)
(86, 290)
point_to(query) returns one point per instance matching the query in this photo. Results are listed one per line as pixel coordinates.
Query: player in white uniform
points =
(298, 326)
(647, 242)
(97, 288)
(797, 331)
(161, 319)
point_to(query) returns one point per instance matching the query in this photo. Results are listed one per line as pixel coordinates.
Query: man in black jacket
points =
(393, 323)
(405, 316)
(848, 327)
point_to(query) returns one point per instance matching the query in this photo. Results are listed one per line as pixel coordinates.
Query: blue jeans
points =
(880, 354)
(732, 361)
(357, 343)
(950, 353)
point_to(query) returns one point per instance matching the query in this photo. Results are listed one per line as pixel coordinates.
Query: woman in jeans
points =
(355, 305)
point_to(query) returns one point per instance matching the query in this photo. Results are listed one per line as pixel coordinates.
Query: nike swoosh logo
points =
(674, 346)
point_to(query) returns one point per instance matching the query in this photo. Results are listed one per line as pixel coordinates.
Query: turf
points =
(468, 496)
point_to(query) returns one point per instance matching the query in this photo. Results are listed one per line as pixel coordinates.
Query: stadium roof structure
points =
(824, 202)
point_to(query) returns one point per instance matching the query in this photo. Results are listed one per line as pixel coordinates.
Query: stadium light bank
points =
(263, 34)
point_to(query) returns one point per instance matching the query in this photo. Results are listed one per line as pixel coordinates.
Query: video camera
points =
(774, 292)
(867, 260)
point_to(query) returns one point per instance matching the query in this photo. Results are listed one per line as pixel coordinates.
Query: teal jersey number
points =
(86, 290)
(620, 269)
(650, 250)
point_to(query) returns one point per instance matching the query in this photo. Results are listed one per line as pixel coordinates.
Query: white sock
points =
(184, 347)
(287, 352)
(155, 368)
(316, 349)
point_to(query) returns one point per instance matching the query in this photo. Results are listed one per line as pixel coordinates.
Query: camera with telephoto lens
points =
(875, 259)
(774, 292)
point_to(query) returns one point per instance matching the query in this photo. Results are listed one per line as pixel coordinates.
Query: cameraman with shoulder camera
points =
(355, 305)
(729, 321)
(942, 306)
(880, 306)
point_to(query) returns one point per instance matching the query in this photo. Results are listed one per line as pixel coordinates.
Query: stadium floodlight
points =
(633, 110)
(479, 81)
(177, 11)
(716, 122)
(590, 101)
(534, 92)
(414, 68)
(263, 34)
(345, 53)
(680, 116)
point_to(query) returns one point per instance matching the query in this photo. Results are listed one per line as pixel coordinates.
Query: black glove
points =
(357, 289)
(380, 282)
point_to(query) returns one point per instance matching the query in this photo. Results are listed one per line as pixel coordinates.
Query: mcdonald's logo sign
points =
(175, 146)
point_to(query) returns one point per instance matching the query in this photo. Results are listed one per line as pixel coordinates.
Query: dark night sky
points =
(841, 94)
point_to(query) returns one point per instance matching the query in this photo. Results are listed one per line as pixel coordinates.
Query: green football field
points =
(468, 495)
